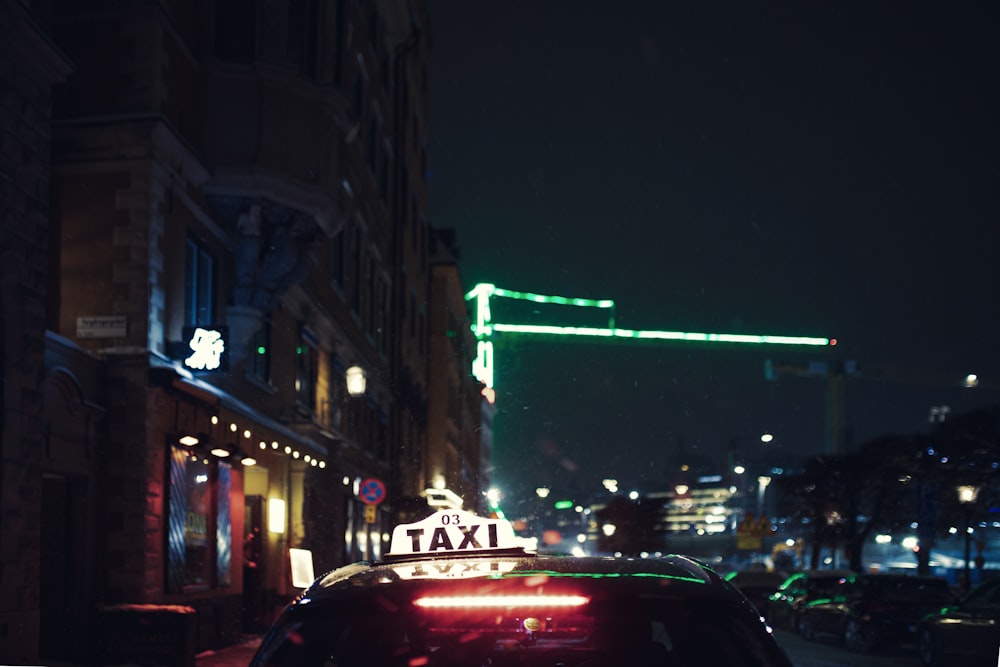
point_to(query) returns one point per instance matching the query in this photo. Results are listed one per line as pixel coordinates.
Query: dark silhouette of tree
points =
(894, 481)
(965, 450)
(879, 493)
(842, 499)
(805, 499)
(970, 443)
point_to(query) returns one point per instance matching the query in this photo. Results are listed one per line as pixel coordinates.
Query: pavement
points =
(237, 655)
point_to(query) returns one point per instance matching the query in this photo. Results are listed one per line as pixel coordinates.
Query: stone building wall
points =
(29, 66)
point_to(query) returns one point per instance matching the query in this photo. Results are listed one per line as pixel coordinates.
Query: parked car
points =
(966, 633)
(757, 585)
(869, 610)
(785, 604)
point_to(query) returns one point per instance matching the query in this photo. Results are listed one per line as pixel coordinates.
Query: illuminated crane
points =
(484, 327)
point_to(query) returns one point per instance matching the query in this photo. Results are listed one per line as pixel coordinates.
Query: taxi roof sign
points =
(453, 533)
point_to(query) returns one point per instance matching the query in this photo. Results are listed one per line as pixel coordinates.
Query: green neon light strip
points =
(481, 289)
(561, 300)
(659, 335)
(595, 575)
(484, 327)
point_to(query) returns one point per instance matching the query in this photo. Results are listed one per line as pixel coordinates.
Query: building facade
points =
(216, 313)
(456, 466)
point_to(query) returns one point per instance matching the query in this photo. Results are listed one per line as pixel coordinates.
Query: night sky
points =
(801, 168)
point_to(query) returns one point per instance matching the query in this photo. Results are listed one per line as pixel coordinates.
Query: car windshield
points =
(636, 632)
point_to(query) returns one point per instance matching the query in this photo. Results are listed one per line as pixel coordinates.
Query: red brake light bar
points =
(501, 601)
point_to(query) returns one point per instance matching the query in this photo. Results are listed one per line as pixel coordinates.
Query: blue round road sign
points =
(371, 491)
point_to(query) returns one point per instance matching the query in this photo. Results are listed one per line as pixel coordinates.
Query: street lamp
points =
(356, 381)
(967, 494)
(762, 482)
(739, 458)
(740, 463)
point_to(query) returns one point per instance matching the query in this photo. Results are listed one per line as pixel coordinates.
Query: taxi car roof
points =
(676, 571)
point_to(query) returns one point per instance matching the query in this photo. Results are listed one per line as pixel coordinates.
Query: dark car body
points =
(869, 610)
(966, 633)
(757, 585)
(785, 605)
(499, 608)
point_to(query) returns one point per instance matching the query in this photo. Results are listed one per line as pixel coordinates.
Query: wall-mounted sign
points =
(302, 567)
(207, 348)
(112, 326)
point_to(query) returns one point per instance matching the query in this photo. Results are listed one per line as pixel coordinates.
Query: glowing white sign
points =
(207, 347)
(451, 532)
(302, 567)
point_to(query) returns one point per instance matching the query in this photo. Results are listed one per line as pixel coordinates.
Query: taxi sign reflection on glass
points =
(453, 533)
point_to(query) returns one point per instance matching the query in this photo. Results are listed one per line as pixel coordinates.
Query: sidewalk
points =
(237, 655)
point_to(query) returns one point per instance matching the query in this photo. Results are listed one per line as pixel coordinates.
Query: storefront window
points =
(199, 541)
(223, 526)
